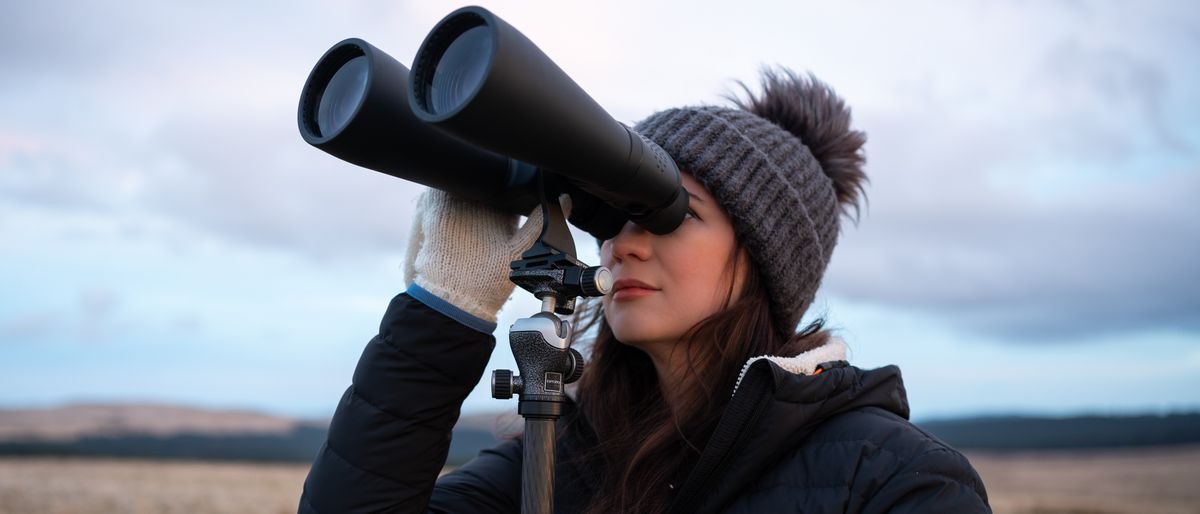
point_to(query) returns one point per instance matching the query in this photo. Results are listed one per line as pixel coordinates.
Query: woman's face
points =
(664, 285)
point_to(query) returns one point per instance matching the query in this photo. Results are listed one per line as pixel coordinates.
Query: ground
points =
(1159, 480)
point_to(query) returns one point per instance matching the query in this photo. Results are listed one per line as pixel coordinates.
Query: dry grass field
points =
(1145, 480)
(1160, 480)
(86, 486)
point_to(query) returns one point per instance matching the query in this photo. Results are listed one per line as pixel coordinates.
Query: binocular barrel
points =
(354, 106)
(477, 77)
(481, 113)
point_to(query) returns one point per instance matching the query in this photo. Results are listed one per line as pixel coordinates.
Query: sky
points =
(1029, 245)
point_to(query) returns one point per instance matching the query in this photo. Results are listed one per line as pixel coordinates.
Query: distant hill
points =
(174, 432)
(71, 422)
(1041, 433)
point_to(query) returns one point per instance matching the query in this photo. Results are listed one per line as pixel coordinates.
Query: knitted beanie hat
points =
(780, 165)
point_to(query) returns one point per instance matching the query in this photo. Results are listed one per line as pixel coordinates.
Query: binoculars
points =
(486, 116)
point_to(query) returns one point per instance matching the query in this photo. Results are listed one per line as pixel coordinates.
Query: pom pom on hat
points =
(814, 113)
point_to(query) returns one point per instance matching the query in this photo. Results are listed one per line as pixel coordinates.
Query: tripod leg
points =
(537, 470)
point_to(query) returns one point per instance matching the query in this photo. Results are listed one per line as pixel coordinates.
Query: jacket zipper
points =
(727, 439)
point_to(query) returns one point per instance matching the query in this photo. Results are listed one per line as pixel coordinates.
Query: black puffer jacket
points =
(834, 442)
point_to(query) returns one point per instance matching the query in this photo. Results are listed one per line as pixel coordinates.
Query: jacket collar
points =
(804, 364)
(777, 403)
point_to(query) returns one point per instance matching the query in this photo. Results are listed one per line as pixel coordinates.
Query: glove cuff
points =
(450, 310)
(475, 303)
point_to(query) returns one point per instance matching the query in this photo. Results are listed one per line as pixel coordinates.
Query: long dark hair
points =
(641, 448)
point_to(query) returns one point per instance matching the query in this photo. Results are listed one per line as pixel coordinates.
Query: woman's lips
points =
(630, 293)
(629, 289)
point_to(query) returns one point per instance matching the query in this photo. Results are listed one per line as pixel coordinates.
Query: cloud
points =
(1028, 187)
(196, 130)
(265, 186)
(94, 317)
(1044, 198)
(28, 326)
(1056, 220)
(1104, 82)
(1024, 271)
(97, 309)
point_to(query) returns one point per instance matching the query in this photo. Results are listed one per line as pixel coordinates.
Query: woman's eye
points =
(690, 214)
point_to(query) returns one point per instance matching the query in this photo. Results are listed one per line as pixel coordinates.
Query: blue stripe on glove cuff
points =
(449, 310)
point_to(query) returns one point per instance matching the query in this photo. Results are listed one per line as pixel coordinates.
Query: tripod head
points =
(541, 343)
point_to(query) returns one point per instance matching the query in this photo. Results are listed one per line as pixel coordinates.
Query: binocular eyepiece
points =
(482, 114)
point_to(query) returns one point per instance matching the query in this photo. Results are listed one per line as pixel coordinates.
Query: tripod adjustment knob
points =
(502, 384)
(596, 281)
(576, 366)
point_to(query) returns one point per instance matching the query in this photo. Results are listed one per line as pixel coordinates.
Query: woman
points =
(700, 396)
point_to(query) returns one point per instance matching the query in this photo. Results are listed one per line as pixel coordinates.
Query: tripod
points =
(541, 345)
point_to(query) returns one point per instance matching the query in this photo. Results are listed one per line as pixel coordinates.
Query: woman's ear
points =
(742, 271)
(737, 270)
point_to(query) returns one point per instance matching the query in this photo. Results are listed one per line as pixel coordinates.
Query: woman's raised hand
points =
(460, 250)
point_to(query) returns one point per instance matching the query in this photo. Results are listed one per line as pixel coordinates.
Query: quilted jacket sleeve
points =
(390, 434)
(938, 480)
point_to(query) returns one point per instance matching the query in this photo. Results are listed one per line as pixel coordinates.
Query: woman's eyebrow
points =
(695, 197)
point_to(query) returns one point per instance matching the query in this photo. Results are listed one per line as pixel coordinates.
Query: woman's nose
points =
(632, 242)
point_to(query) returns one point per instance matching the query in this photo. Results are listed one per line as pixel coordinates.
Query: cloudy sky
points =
(1031, 242)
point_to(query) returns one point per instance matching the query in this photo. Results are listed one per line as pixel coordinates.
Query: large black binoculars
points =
(485, 115)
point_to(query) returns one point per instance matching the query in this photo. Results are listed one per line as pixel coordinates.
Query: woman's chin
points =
(642, 327)
(640, 336)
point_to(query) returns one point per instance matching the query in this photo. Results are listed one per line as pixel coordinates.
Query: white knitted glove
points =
(460, 251)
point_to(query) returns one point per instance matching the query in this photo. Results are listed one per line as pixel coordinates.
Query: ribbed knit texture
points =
(783, 206)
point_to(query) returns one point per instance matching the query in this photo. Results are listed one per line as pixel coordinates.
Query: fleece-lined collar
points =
(803, 364)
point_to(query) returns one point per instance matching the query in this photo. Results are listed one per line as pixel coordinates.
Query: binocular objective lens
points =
(342, 96)
(460, 70)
